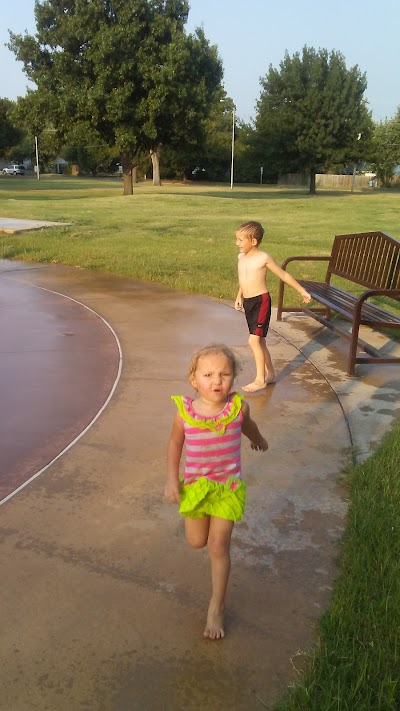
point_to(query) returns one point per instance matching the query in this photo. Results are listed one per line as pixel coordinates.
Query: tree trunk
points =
(134, 174)
(155, 160)
(312, 181)
(128, 184)
(129, 164)
(353, 180)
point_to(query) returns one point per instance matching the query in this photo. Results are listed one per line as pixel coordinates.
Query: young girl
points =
(213, 494)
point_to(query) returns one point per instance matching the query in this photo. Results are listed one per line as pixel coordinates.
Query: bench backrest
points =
(369, 258)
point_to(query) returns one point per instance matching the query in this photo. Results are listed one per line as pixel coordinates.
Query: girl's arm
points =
(250, 429)
(174, 453)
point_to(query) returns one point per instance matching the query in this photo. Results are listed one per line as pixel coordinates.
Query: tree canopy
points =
(10, 135)
(125, 73)
(386, 148)
(312, 112)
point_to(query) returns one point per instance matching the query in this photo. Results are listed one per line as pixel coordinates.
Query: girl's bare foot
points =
(254, 386)
(215, 623)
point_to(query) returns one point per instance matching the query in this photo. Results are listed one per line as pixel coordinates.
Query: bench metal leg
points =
(354, 340)
(280, 301)
(351, 363)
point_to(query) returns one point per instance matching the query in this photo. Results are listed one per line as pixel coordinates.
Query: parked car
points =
(14, 169)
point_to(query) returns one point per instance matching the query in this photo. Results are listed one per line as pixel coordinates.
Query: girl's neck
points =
(208, 409)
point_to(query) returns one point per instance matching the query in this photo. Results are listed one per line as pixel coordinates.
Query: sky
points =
(251, 35)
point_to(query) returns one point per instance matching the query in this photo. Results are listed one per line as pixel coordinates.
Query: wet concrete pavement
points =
(13, 224)
(103, 603)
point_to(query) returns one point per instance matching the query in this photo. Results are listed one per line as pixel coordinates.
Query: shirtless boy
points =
(254, 298)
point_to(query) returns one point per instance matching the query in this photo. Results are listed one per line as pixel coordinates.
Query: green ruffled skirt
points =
(210, 498)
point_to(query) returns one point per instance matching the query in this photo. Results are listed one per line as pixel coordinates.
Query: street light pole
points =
(46, 130)
(353, 182)
(233, 143)
(222, 101)
(37, 158)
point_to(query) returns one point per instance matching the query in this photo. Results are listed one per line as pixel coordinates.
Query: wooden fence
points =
(327, 181)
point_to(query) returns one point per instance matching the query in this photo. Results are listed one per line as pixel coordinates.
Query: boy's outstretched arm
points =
(174, 453)
(287, 278)
(250, 429)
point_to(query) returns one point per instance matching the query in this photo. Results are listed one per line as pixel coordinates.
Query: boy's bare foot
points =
(215, 623)
(270, 376)
(254, 386)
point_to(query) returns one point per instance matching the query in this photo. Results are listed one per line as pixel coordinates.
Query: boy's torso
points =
(252, 270)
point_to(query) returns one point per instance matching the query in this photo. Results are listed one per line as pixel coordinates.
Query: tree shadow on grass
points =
(243, 193)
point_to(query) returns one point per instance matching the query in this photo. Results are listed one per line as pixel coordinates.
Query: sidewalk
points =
(10, 225)
(103, 603)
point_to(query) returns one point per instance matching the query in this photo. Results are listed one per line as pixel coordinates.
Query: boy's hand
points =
(172, 492)
(261, 445)
(306, 297)
(238, 304)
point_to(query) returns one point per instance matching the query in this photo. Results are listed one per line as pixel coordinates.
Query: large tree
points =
(122, 71)
(386, 148)
(208, 157)
(312, 112)
(10, 134)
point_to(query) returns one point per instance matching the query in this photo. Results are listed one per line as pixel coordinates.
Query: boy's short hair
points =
(252, 229)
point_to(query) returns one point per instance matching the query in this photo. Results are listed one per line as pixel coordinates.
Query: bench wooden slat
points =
(344, 302)
(369, 259)
(373, 262)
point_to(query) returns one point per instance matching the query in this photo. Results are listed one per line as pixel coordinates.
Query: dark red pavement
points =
(58, 364)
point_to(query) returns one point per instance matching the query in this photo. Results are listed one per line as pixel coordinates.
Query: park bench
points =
(369, 259)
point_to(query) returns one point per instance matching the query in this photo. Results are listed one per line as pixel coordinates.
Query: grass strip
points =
(355, 664)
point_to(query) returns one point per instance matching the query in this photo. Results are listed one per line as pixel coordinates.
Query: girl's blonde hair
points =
(214, 349)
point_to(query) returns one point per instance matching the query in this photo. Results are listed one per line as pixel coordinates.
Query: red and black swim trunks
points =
(257, 310)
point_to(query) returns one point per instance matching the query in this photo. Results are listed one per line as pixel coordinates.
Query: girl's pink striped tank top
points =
(212, 445)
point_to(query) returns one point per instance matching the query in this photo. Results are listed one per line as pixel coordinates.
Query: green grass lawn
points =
(355, 665)
(183, 236)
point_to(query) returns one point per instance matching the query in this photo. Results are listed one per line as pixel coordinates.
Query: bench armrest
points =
(282, 283)
(304, 259)
(392, 293)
